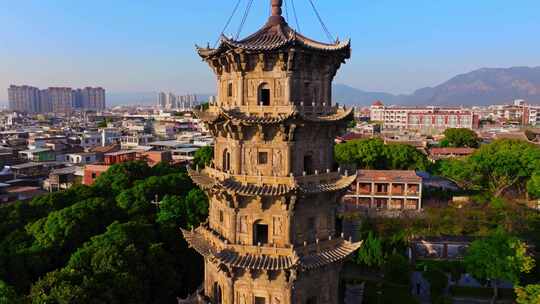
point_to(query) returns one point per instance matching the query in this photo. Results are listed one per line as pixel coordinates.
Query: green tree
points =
(397, 269)
(136, 200)
(529, 294)
(371, 252)
(495, 167)
(533, 185)
(505, 163)
(122, 176)
(123, 265)
(8, 294)
(203, 157)
(374, 154)
(404, 157)
(187, 212)
(498, 257)
(70, 227)
(365, 153)
(461, 137)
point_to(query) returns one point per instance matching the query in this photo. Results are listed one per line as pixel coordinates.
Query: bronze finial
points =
(276, 7)
(276, 17)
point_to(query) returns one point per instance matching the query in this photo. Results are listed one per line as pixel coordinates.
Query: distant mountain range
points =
(480, 87)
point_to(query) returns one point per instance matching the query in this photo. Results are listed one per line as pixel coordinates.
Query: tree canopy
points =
(498, 257)
(203, 156)
(460, 137)
(374, 154)
(529, 294)
(495, 167)
(106, 243)
(371, 253)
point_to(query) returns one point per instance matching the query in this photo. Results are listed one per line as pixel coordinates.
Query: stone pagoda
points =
(272, 235)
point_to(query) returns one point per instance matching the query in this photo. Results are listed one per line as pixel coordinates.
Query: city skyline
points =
(114, 50)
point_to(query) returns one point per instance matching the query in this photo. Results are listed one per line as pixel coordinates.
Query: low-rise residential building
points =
(90, 140)
(119, 157)
(153, 158)
(393, 190)
(92, 172)
(81, 158)
(110, 136)
(61, 179)
(34, 169)
(38, 155)
(449, 152)
(136, 140)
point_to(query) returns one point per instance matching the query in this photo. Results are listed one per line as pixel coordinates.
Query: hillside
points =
(480, 87)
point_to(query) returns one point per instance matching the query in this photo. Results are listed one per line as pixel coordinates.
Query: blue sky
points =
(141, 46)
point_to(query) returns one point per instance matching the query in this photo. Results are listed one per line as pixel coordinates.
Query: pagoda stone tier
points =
(272, 236)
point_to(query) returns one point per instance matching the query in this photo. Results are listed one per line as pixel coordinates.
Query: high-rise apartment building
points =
(162, 100)
(90, 98)
(171, 101)
(44, 102)
(23, 98)
(59, 100)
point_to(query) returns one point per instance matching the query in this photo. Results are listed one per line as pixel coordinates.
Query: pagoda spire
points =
(276, 17)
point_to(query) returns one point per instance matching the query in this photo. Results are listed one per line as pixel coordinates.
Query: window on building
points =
(230, 89)
(94, 175)
(226, 160)
(308, 94)
(264, 94)
(260, 300)
(260, 233)
(308, 163)
(220, 216)
(312, 224)
(263, 158)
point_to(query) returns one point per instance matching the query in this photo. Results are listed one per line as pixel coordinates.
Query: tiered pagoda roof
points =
(261, 186)
(325, 115)
(305, 259)
(275, 35)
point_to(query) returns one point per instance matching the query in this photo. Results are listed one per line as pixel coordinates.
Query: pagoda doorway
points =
(260, 233)
(264, 95)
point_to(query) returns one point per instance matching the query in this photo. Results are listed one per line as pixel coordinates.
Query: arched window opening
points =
(308, 163)
(260, 233)
(226, 160)
(264, 95)
(218, 296)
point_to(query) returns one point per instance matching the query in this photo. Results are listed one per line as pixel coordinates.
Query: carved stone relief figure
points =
(277, 162)
(251, 90)
(247, 161)
(279, 90)
(243, 224)
(278, 228)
